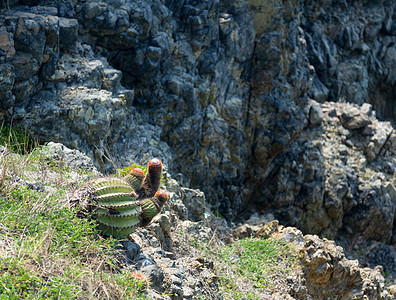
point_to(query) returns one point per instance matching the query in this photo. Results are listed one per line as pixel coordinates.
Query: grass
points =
(252, 267)
(46, 251)
(17, 139)
(257, 259)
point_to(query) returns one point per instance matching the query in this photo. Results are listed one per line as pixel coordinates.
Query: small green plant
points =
(127, 170)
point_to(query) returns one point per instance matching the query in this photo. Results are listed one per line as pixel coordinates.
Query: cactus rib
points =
(115, 197)
(118, 223)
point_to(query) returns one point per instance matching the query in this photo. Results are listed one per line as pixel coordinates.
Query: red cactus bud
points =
(162, 195)
(155, 165)
(137, 173)
(152, 179)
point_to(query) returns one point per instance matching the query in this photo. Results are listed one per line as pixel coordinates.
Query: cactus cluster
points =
(121, 204)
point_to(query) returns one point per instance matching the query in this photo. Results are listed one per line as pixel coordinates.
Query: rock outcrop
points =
(337, 178)
(351, 45)
(330, 275)
(246, 99)
(188, 69)
(223, 84)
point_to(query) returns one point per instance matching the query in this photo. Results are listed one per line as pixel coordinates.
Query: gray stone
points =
(25, 66)
(131, 250)
(194, 200)
(29, 42)
(111, 81)
(318, 91)
(155, 275)
(68, 31)
(7, 79)
(353, 119)
(324, 187)
(72, 158)
(315, 114)
(143, 261)
(7, 46)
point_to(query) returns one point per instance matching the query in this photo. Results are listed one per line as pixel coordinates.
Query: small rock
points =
(268, 229)
(164, 222)
(353, 119)
(194, 200)
(73, 158)
(111, 79)
(392, 290)
(188, 293)
(315, 114)
(143, 261)
(131, 250)
(244, 231)
(155, 274)
(68, 31)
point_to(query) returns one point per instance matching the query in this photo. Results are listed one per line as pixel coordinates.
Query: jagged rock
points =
(352, 118)
(268, 229)
(315, 114)
(334, 31)
(237, 73)
(130, 250)
(244, 231)
(329, 275)
(325, 183)
(28, 44)
(68, 33)
(318, 91)
(194, 201)
(155, 275)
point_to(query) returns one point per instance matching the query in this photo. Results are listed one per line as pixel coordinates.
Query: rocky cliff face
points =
(244, 98)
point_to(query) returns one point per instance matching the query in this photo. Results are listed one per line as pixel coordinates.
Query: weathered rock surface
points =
(327, 272)
(71, 158)
(330, 275)
(223, 83)
(188, 69)
(351, 45)
(338, 178)
(232, 94)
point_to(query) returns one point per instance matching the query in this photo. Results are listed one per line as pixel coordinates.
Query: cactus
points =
(120, 204)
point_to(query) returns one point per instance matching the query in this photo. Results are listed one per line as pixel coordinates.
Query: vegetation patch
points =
(46, 251)
(16, 139)
(259, 261)
(251, 268)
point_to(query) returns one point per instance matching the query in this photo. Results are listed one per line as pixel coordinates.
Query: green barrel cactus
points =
(120, 204)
